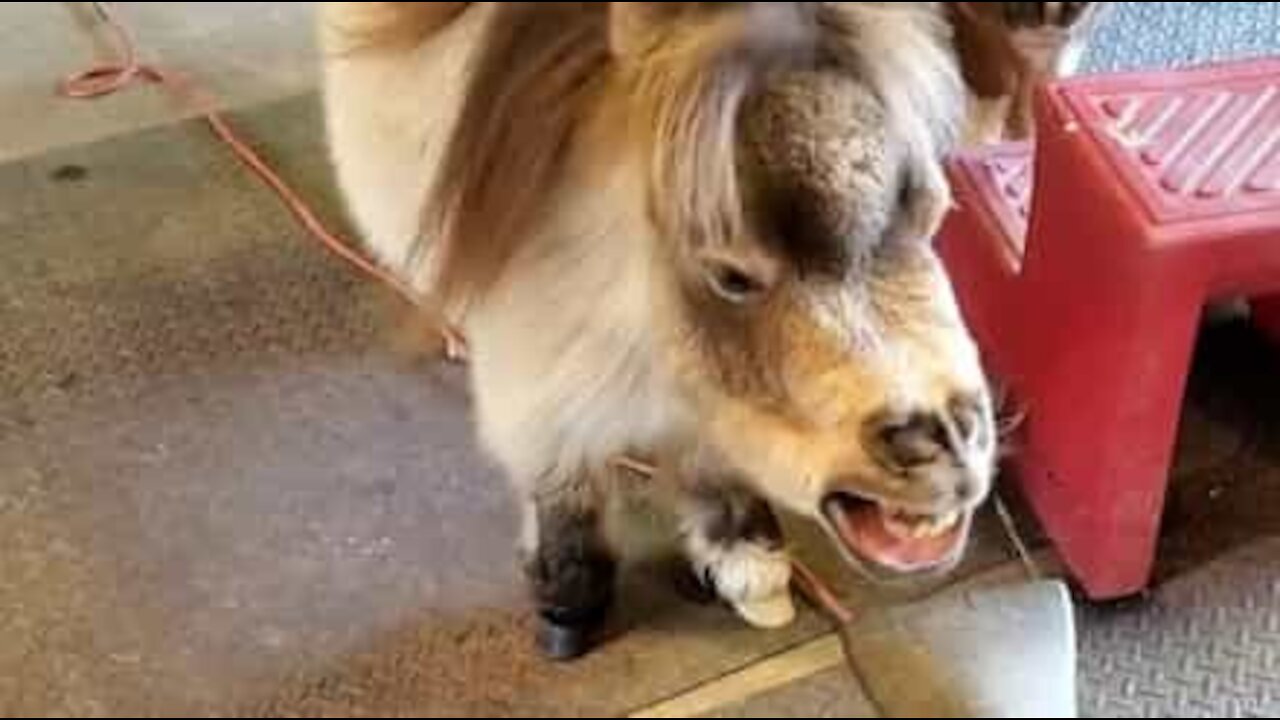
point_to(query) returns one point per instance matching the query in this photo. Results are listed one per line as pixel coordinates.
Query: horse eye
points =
(735, 284)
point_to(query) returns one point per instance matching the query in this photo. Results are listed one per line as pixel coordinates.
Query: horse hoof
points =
(566, 643)
(768, 613)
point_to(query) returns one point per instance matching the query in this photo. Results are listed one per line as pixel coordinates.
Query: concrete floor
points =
(245, 52)
(221, 495)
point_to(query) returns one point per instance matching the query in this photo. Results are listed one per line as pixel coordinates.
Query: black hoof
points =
(566, 643)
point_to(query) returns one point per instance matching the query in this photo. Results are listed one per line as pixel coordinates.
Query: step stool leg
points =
(1106, 328)
(1102, 427)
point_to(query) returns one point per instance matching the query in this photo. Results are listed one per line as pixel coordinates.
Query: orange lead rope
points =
(110, 78)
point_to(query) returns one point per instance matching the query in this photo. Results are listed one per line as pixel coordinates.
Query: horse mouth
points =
(884, 539)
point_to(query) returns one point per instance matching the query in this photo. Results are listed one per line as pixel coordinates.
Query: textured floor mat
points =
(1154, 35)
(221, 497)
(1207, 646)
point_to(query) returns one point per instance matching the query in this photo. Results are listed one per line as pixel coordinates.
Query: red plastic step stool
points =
(1085, 263)
(1266, 312)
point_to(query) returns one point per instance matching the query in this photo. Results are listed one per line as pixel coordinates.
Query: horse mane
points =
(547, 69)
(531, 87)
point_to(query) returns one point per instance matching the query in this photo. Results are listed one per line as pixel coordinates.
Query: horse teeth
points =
(911, 526)
(935, 527)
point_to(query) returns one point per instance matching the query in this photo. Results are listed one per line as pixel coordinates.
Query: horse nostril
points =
(911, 441)
(966, 413)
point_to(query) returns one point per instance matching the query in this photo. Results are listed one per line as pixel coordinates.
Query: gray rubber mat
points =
(1204, 646)
(220, 496)
(1154, 35)
(1207, 646)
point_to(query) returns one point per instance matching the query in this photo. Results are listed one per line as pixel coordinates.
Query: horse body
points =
(694, 232)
